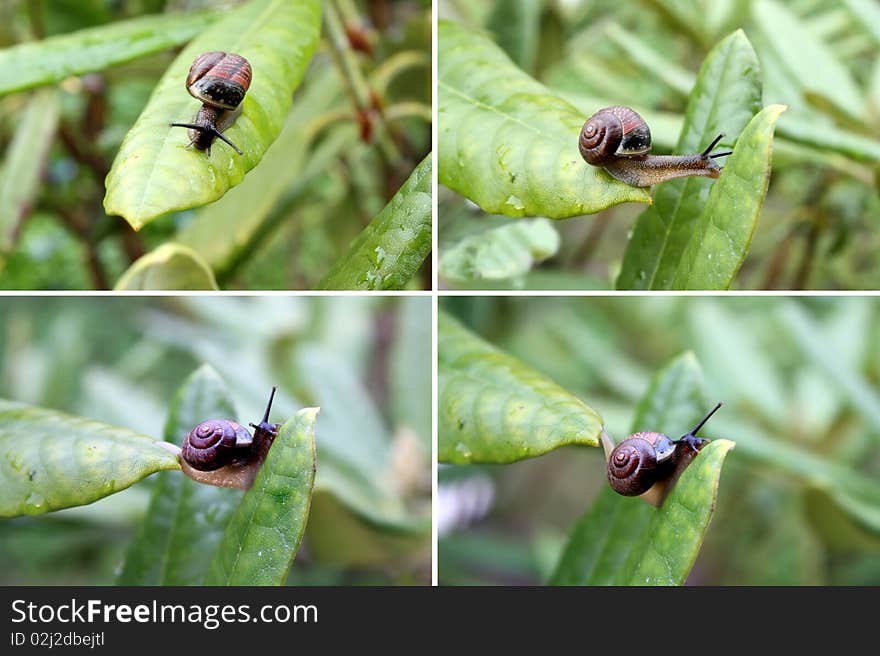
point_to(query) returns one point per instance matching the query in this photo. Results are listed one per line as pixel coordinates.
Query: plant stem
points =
(78, 224)
(356, 85)
(35, 13)
(803, 271)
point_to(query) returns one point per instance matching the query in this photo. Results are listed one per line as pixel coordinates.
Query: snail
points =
(224, 453)
(220, 80)
(647, 464)
(618, 139)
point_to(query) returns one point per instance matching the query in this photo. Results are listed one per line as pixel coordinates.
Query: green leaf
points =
(223, 232)
(719, 243)
(155, 171)
(355, 444)
(656, 64)
(389, 251)
(726, 97)
(867, 12)
(666, 551)
(55, 58)
(23, 162)
(814, 343)
(624, 541)
(495, 409)
(185, 520)
(50, 460)
(742, 368)
(338, 536)
(517, 25)
(508, 143)
(264, 534)
(808, 59)
(812, 133)
(171, 266)
(853, 492)
(410, 368)
(501, 252)
(689, 15)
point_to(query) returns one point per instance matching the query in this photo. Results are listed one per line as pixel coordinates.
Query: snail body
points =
(619, 140)
(647, 464)
(220, 81)
(224, 453)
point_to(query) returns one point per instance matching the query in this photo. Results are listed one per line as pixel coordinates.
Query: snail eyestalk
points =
(693, 432)
(268, 409)
(706, 153)
(714, 143)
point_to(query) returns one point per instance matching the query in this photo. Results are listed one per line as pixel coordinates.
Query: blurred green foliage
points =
(799, 499)
(365, 361)
(817, 229)
(338, 164)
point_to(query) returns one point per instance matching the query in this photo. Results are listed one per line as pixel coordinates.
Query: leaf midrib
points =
(242, 38)
(681, 196)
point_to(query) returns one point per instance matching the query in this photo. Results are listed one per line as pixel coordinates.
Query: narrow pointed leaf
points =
(665, 553)
(264, 534)
(185, 520)
(654, 63)
(389, 251)
(51, 460)
(24, 160)
(155, 171)
(495, 409)
(726, 97)
(867, 13)
(859, 392)
(517, 28)
(171, 266)
(721, 239)
(807, 58)
(508, 143)
(55, 58)
(854, 492)
(622, 540)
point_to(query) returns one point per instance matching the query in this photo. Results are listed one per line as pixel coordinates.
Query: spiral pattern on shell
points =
(212, 444)
(219, 79)
(614, 132)
(631, 466)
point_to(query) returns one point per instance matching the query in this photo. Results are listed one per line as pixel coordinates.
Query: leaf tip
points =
(173, 449)
(309, 413)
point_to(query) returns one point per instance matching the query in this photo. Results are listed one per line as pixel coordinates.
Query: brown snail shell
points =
(220, 81)
(638, 462)
(216, 443)
(614, 132)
